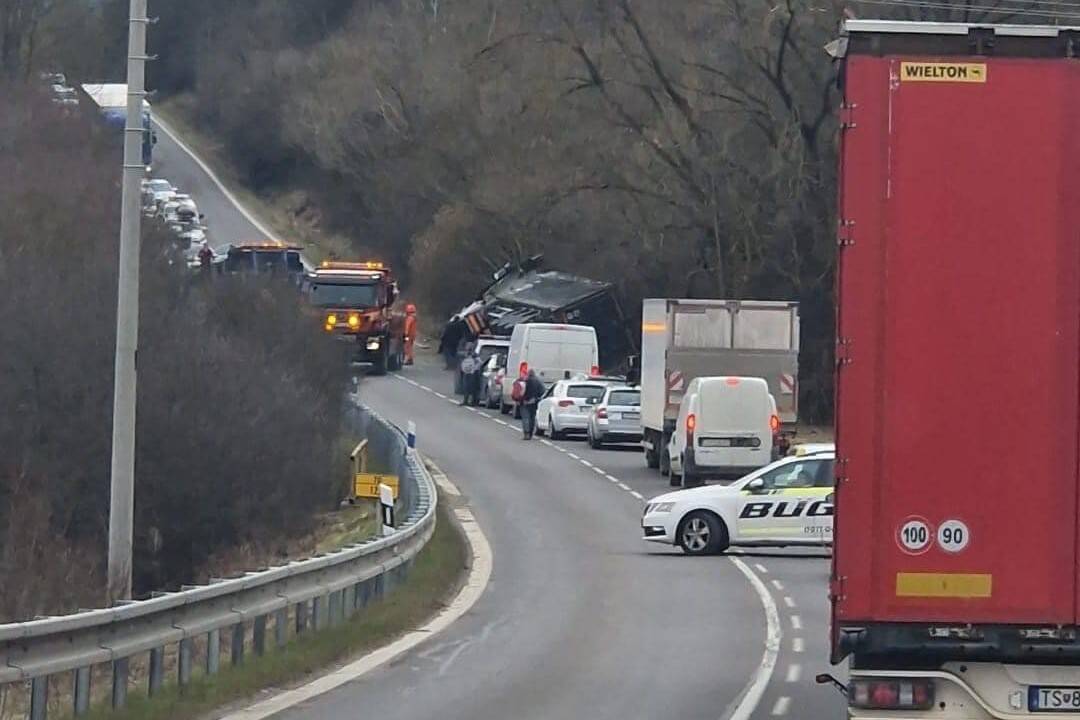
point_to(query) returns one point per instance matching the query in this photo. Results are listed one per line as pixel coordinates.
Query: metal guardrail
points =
(320, 591)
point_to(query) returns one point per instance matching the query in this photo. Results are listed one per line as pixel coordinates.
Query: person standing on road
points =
(468, 379)
(534, 390)
(410, 332)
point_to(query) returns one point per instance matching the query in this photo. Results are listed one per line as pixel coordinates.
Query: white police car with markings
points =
(789, 502)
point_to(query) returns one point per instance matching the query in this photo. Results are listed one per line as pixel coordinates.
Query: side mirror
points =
(756, 485)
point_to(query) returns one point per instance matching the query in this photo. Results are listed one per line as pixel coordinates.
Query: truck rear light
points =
(890, 694)
(774, 424)
(595, 370)
(523, 368)
(691, 422)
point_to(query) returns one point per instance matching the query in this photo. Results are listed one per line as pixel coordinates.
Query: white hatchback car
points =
(789, 502)
(566, 407)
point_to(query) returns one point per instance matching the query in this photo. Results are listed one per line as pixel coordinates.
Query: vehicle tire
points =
(674, 479)
(394, 362)
(664, 462)
(381, 362)
(702, 533)
(483, 400)
(540, 432)
(555, 434)
(593, 442)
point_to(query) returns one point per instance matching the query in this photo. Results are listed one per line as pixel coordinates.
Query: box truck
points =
(954, 584)
(685, 339)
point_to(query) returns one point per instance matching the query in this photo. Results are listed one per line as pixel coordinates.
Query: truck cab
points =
(355, 303)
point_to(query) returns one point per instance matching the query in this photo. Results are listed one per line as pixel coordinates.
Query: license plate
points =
(631, 416)
(1042, 698)
(715, 442)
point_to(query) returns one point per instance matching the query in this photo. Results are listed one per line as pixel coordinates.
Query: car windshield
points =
(625, 397)
(330, 295)
(589, 393)
(159, 185)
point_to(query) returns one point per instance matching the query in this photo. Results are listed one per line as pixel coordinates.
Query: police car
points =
(789, 502)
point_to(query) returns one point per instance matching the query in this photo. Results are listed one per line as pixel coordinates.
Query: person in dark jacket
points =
(534, 390)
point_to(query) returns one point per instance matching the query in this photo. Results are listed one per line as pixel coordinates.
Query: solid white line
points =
(781, 706)
(794, 671)
(751, 694)
(636, 494)
(167, 129)
(479, 575)
(789, 601)
(778, 585)
(797, 645)
(796, 622)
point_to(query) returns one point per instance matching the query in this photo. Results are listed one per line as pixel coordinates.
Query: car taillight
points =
(601, 413)
(889, 694)
(595, 370)
(566, 403)
(774, 424)
(523, 368)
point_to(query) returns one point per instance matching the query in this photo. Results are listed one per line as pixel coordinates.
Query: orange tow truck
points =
(356, 303)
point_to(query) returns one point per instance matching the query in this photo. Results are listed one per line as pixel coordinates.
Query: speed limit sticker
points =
(914, 535)
(953, 536)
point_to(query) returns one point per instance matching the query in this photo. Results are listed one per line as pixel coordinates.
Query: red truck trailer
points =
(954, 584)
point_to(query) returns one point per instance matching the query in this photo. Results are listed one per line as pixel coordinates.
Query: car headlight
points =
(660, 507)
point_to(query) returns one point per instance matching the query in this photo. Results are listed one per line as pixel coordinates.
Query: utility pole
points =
(122, 493)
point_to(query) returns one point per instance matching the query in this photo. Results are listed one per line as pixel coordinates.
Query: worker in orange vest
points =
(410, 332)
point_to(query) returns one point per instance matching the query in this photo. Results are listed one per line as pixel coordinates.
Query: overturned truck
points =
(529, 294)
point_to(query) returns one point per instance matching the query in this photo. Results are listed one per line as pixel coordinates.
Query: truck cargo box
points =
(957, 347)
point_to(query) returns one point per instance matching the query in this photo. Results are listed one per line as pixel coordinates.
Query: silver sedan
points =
(616, 418)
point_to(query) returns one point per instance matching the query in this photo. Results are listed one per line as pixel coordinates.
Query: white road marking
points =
(612, 478)
(624, 486)
(586, 463)
(778, 585)
(545, 441)
(751, 694)
(561, 449)
(636, 494)
(794, 671)
(761, 568)
(479, 575)
(598, 471)
(426, 388)
(796, 622)
(789, 601)
(573, 455)
(781, 706)
(798, 645)
(471, 409)
(487, 415)
(501, 422)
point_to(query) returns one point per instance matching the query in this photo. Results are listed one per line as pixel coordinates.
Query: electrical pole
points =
(122, 493)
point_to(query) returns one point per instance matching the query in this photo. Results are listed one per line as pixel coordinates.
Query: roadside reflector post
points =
(412, 434)
(386, 501)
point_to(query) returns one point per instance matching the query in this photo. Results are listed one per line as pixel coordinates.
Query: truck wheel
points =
(702, 533)
(395, 362)
(665, 462)
(381, 361)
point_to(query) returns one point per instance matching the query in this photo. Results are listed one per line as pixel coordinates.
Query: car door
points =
(778, 510)
(820, 512)
(543, 409)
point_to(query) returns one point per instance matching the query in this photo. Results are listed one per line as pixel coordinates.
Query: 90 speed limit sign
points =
(953, 536)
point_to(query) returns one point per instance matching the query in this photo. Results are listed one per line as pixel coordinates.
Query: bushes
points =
(239, 394)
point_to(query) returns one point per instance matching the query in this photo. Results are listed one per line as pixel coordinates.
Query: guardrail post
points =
(281, 627)
(119, 683)
(301, 617)
(213, 652)
(335, 608)
(39, 698)
(184, 662)
(157, 669)
(258, 635)
(318, 613)
(237, 652)
(349, 595)
(81, 691)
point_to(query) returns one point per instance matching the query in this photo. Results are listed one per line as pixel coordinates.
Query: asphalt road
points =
(581, 618)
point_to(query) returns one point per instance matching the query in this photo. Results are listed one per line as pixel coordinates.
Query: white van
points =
(554, 351)
(726, 428)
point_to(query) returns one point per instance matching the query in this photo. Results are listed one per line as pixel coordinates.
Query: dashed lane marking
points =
(778, 585)
(794, 672)
(796, 622)
(782, 705)
(623, 486)
(636, 494)
(761, 568)
(576, 457)
(798, 645)
(586, 463)
(598, 471)
(789, 601)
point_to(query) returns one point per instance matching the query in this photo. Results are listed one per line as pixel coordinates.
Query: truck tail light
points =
(595, 370)
(523, 368)
(691, 423)
(566, 403)
(892, 694)
(774, 424)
